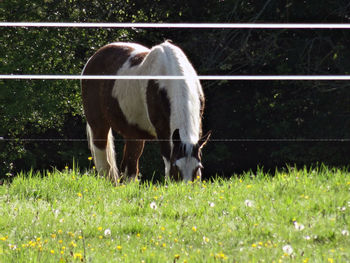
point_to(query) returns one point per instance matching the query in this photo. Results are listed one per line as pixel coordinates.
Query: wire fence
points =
(207, 77)
(308, 26)
(181, 25)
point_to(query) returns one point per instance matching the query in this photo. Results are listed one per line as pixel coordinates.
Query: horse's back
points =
(116, 103)
(106, 61)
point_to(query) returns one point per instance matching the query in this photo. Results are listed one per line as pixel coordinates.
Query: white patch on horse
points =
(187, 166)
(131, 94)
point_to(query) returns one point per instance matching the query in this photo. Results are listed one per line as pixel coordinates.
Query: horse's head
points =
(185, 162)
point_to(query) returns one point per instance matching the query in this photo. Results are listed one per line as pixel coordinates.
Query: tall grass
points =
(68, 216)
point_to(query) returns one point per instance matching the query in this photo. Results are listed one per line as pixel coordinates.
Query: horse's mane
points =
(184, 95)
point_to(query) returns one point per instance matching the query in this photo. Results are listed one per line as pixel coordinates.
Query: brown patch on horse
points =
(158, 106)
(137, 59)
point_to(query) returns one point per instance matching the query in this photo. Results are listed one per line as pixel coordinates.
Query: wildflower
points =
(66, 167)
(287, 249)
(12, 247)
(119, 247)
(4, 238)
(330, 260)
(221, 255)
(90, 158)
(107, 232)
(343, 208)
(298, 226)
(52, 251)
(60, 241)
(249, 203)
(143, 249)
(177, 256)
(73, 244)
(345, 232)
(78, 256)
(138, 234)
(162, 228)
(53, 236)
(99, 228)
(56, 212)
(194, 228)
(153, 205)
(211, 204)
(59, 231)
(205, 239)
(307, 237)
(79, 194)
(249, 186)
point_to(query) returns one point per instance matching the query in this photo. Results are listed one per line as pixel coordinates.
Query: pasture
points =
(71, 216)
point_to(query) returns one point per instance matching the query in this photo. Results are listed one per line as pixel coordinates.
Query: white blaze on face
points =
(187, 166)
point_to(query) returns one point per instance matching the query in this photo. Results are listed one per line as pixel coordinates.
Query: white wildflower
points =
(205, 239)
(249, 203)
(345, 232)
(153, 205)
(211, 204)
(343, 208)
(287, 249)
(12, 247)
(107, 232)
(307, 237)
(56, 212)
(298, 226)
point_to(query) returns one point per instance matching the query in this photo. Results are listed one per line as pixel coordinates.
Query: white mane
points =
(163, 60)
(184, 95)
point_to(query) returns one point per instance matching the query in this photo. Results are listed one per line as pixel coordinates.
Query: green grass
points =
(72, 217)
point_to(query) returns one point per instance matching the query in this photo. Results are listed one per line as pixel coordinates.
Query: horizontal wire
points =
(162, 140)
(180, 25)
(206, 77)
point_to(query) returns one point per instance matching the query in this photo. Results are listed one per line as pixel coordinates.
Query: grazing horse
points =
(165, 109)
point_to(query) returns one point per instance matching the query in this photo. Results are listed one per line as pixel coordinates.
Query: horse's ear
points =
(203, 141)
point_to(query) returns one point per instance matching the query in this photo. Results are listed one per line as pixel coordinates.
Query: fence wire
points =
(210, 77)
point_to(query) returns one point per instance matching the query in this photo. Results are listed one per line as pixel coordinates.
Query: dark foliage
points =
(239, 112)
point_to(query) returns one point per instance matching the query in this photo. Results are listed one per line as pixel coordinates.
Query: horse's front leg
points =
(130, 164)
(165, 150)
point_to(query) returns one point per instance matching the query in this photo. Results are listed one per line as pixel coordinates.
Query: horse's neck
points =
(167, 59)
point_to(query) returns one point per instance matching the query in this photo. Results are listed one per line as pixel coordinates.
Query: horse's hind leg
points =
(102, 148)
(132, 153)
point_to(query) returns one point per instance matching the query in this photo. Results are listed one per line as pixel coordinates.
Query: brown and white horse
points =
(167, 110)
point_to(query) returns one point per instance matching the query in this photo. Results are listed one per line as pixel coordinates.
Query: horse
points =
(167, 110)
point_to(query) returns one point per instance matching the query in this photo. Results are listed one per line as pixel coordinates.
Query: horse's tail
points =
(110, 152)
(105, 161)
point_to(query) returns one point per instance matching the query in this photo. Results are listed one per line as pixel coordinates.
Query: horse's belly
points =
(132, 102)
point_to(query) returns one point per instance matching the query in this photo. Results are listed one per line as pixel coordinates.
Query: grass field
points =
(68, 216)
